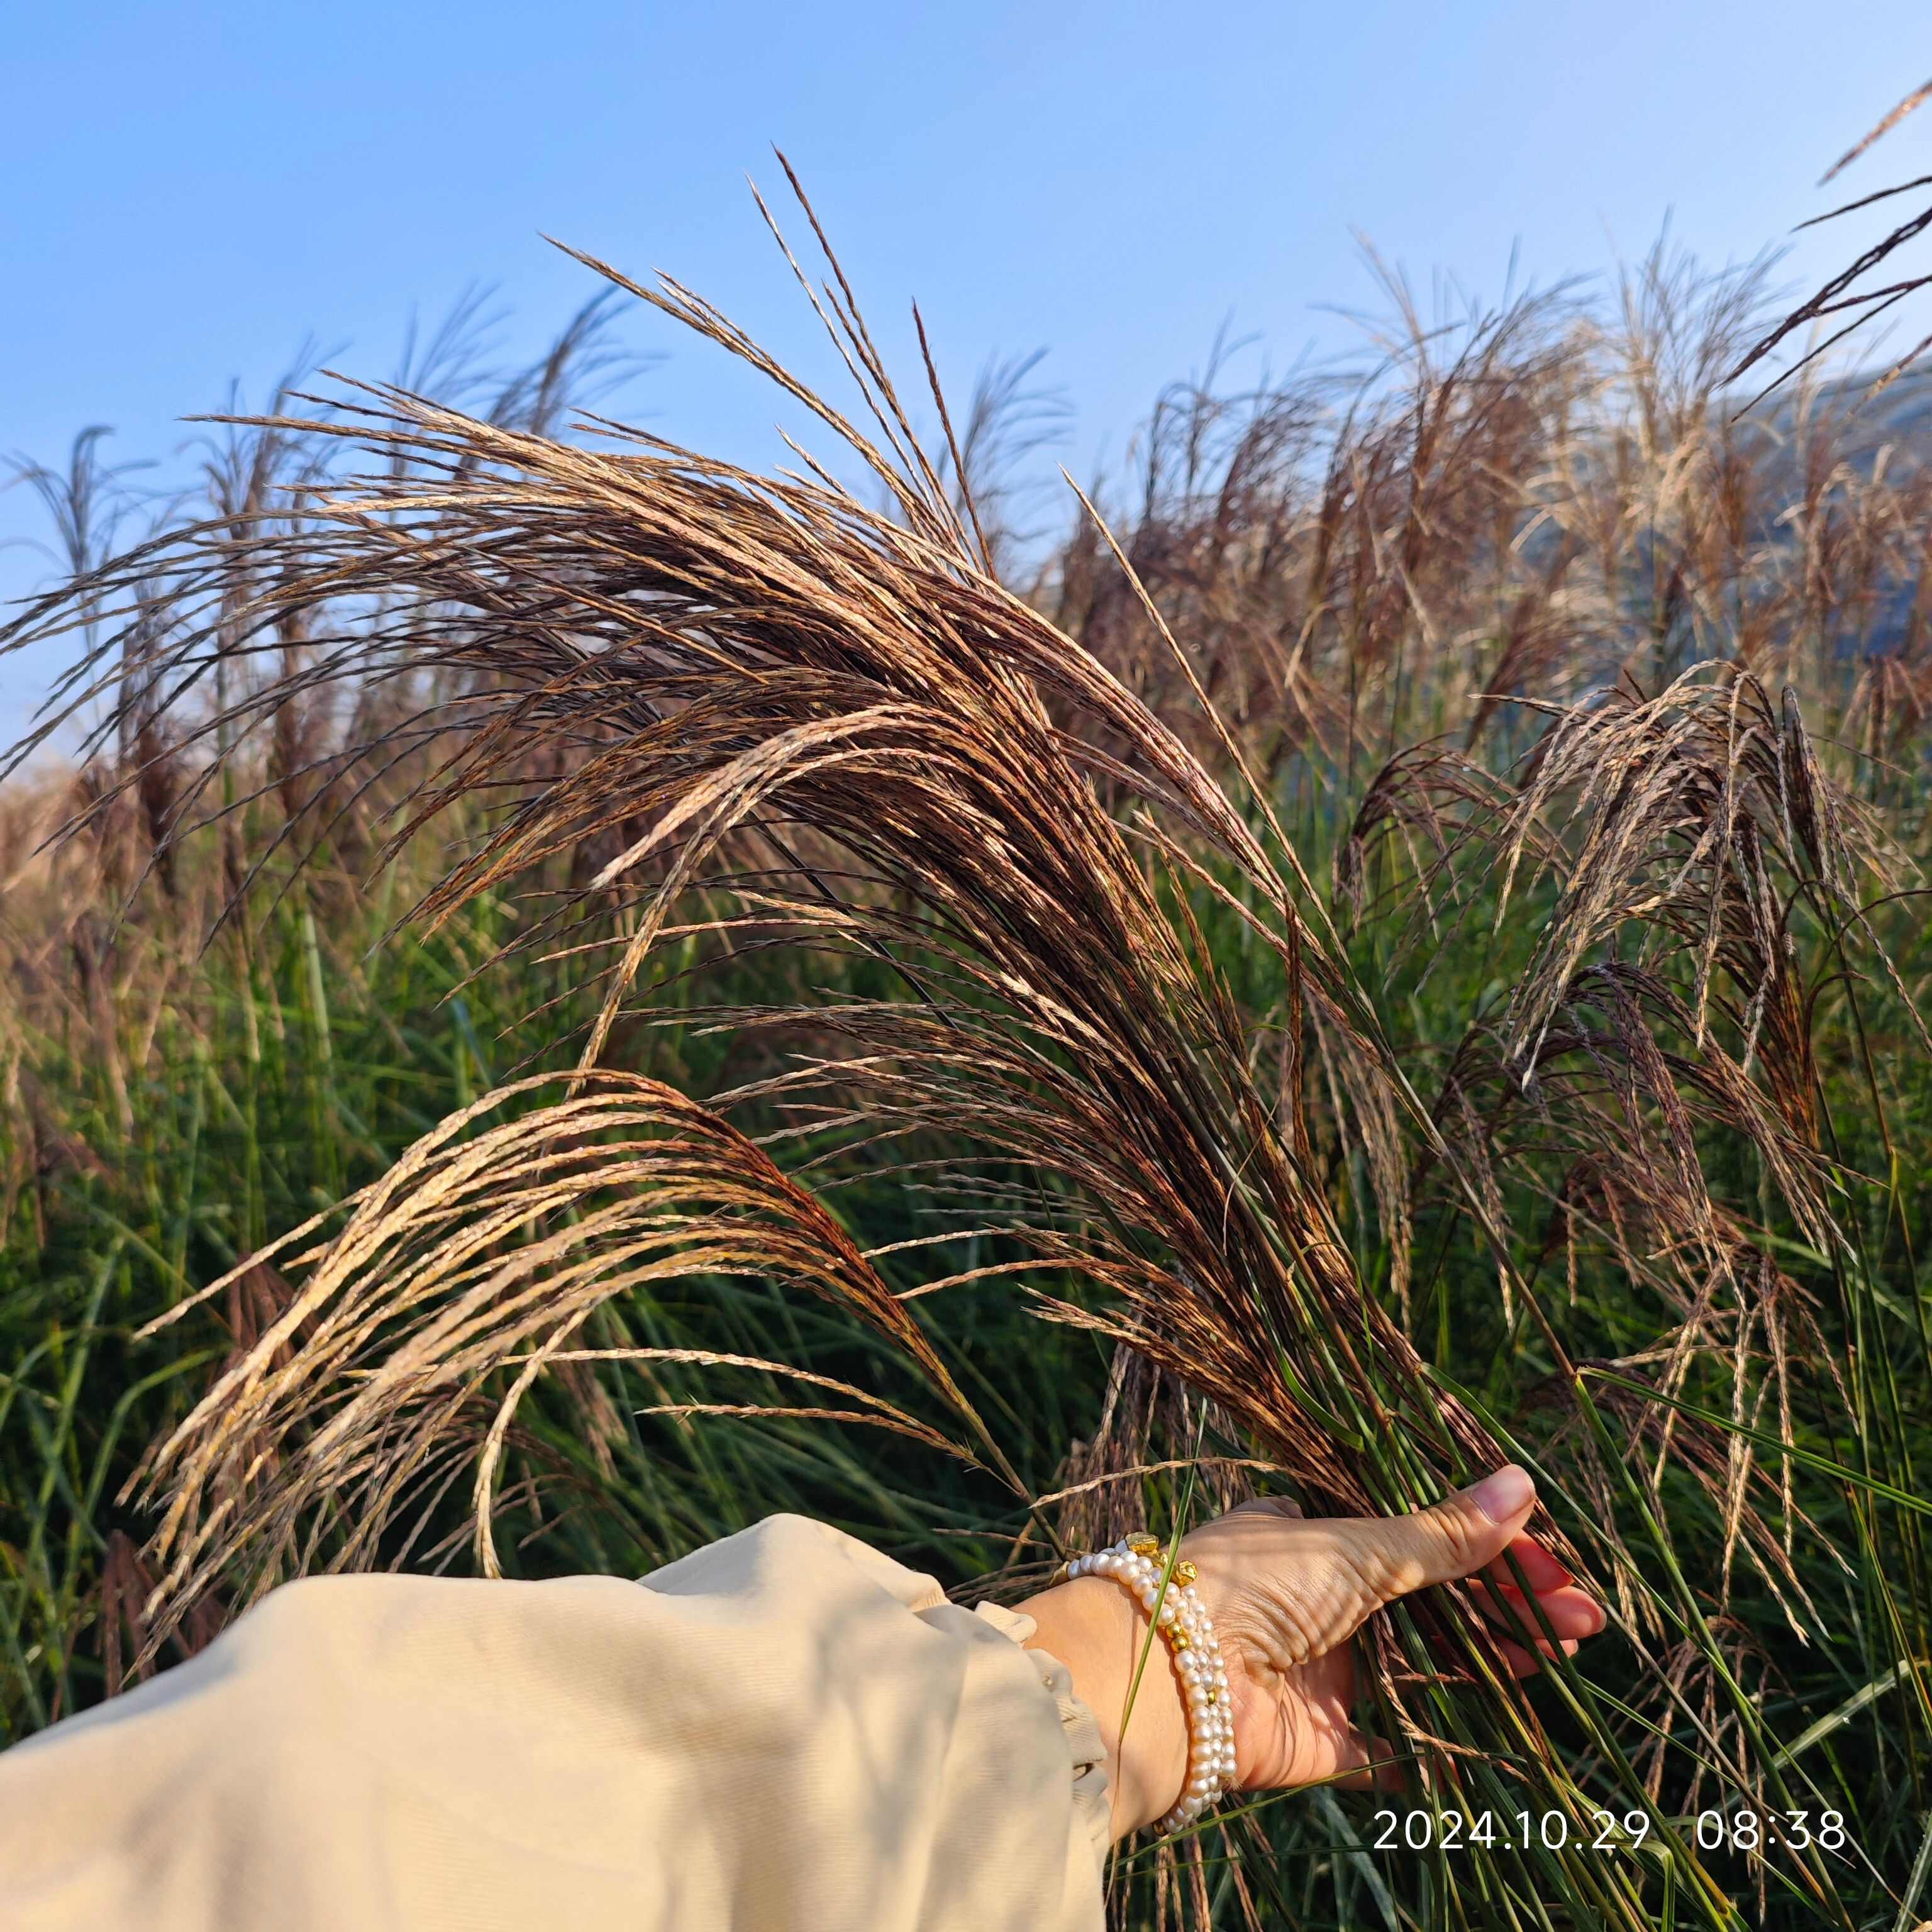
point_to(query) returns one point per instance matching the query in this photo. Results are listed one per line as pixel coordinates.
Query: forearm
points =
(1093, 1627)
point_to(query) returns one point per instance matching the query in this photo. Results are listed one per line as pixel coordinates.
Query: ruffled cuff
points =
(1086, 1753)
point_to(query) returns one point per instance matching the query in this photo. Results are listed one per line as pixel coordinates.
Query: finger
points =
(1543, 1569)
(1268, 1506)
(1572, 1622)
(1453, 1538)
(1523, 1663)
(1367, 1763)
(1570, 1611)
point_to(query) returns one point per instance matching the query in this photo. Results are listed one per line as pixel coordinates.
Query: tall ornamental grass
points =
(1399, 951)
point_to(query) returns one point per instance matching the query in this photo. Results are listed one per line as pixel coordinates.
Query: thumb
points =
(1456, 1537)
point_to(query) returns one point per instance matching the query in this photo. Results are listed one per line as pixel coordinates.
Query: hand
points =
(1287, 1594)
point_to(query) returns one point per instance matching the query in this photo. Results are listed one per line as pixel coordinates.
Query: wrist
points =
(1095, 1628)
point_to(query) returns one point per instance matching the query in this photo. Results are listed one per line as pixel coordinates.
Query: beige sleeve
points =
(786, 1729)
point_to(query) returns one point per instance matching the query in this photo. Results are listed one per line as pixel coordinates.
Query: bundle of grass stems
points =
(1058, 964)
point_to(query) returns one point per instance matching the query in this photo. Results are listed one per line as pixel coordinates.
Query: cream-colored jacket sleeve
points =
(786, 1729)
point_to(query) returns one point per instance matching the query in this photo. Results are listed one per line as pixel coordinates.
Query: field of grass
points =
(1400, 943)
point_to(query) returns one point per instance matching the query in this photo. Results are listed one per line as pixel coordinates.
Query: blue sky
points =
(195, 188)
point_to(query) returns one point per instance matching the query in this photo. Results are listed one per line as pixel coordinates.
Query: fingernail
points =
(1505, 1495)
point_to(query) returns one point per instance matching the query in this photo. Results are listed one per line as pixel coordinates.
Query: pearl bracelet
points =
(1182, 1618)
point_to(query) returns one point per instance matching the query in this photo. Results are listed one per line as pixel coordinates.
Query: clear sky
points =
(195, 187)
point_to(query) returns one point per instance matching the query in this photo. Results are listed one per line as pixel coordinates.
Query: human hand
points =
(1286, 1594)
